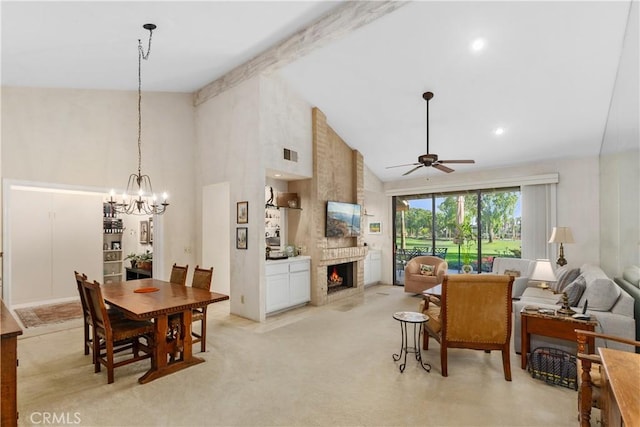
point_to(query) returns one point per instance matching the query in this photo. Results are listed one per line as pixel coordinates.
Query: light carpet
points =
(314, 366)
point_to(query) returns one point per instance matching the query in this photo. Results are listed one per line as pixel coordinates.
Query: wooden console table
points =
(10, 330)
(621, 387)
(551, 325)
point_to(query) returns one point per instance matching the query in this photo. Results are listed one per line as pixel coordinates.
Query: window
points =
(468, 229)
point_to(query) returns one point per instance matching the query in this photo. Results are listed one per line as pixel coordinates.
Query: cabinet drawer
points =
(270, 270)
(299, 266)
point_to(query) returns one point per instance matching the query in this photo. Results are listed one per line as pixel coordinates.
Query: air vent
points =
(290, 155)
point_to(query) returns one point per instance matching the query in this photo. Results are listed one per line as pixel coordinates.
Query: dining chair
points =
(122, 334)
(113, 313)
(473, 312)
(202, 280)
(589, 367)
(86, 314)
(179, 274)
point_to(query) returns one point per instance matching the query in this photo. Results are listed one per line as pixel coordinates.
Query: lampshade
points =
(561, 235)
(543, 272)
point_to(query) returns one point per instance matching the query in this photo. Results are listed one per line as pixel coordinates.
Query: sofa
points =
(520, 268)
(416, 281)
(630, 282)
(611, 305)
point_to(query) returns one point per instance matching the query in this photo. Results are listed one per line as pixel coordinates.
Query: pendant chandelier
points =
(139, 198)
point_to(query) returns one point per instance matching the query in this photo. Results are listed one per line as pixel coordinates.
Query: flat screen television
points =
(343, 219)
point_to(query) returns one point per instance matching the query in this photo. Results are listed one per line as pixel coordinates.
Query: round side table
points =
(417, 319)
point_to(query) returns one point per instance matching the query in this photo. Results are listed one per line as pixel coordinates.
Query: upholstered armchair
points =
(590, 390)
(473, 312)
(415, 281)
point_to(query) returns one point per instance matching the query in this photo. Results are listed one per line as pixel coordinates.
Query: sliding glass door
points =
(467, 228)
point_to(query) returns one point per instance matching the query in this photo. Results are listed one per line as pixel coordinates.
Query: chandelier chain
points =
(141, 56)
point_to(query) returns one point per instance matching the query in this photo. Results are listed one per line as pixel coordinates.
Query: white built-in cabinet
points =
(373, 267)
(51, 233)
(288, 283)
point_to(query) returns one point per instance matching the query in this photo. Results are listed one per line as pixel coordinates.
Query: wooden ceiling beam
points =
(337, 23)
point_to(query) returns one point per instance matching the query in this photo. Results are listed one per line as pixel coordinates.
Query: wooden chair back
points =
(86, 313)
(202, 278)
(97, 308)
(179, 274)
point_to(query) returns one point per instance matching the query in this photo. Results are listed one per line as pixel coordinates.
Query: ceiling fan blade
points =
(442, 168)
(412, 170)
(456, 161)
(401, 166)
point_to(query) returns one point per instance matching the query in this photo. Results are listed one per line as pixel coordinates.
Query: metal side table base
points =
(417, 319)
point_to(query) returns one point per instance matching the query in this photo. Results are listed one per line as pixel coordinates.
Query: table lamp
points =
(543, 272)
(561, 235)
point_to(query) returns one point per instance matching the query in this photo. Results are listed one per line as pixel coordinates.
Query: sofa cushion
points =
(632, 275)
(601, 295)
(565, 278)
(574, 291)
(427, 269)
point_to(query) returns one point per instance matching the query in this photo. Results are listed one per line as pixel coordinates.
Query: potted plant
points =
(144, 261)
(465, 238)
(133, 258)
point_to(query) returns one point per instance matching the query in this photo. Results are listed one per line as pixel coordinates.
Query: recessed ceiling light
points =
(277, 175)
(478, 45)
(499, 131)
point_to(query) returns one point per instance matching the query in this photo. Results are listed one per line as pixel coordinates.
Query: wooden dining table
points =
(169, 299)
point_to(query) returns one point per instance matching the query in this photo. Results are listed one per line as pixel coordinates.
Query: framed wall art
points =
(242, 212)
(375, 227)
(241, 238)
(144, 232)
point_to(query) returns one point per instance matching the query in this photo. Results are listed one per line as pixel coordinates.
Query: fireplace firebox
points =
(340, 276)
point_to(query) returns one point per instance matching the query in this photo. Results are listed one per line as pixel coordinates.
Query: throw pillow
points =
(426, 269)
(601, 296)
(514, 273)
(566, 279)
(632, 275)
(574, 291)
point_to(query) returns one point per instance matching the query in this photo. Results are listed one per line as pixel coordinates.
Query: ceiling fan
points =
(430, 159)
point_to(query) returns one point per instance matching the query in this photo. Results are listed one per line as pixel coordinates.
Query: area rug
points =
(41, 315)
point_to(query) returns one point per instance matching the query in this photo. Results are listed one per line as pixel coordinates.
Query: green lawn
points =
(496, 248)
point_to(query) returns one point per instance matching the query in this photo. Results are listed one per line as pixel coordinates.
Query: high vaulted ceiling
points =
(545, 75)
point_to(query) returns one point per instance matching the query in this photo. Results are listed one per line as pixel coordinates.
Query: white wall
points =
(378, 207)
(89, 138)
(577, 197)
(285, 122)
(227, 128)
(620, 162)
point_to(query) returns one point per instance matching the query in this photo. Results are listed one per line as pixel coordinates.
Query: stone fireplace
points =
(338, 175)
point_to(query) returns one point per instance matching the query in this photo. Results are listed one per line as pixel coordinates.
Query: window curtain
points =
(538, 218)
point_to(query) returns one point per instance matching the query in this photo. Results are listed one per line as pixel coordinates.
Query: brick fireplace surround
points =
(338, 174)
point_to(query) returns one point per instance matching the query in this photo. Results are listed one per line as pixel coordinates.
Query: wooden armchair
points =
(473, 312)
(179, 274)
(415, 282)
(202, 280)
(590, 390)
(116, 336)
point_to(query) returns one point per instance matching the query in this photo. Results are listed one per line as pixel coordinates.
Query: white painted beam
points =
(335, 24)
